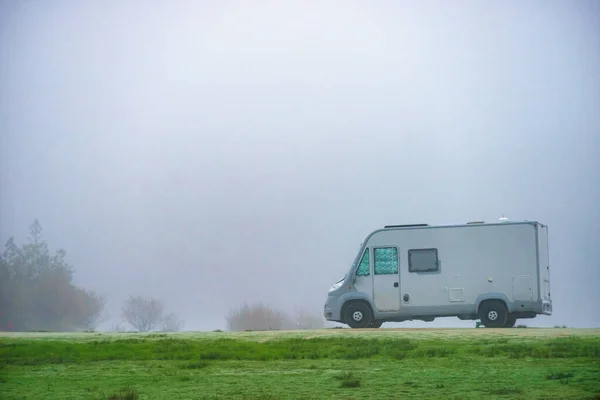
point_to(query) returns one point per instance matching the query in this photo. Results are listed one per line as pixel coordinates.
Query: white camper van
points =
(496, 272)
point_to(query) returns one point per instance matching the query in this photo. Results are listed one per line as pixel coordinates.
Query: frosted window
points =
(423, 260)
(386, 261)
(363, 267)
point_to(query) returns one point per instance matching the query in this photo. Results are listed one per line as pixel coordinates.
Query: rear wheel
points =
(358, 315)
(493, 314)
(510, 321)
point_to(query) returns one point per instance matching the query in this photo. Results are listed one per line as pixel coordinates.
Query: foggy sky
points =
(211, 153)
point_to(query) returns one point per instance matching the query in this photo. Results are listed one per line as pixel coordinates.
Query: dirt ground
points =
(410, 333)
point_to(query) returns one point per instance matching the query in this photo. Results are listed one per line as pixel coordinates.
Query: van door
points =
(386, 279)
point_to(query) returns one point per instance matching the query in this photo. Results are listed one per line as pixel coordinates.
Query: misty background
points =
(215, 153)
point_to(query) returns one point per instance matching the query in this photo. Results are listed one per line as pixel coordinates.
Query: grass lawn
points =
(342, 363)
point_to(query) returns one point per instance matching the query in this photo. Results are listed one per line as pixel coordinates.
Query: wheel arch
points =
(350, 301)
(484, 298)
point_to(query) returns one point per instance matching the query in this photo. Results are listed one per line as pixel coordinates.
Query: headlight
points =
(336, 286)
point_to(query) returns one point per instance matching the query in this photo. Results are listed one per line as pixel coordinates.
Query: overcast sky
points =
(211, 153)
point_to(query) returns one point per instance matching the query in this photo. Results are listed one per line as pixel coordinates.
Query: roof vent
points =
(405, 226)
(503, 219)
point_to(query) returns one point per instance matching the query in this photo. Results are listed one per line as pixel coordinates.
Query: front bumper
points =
(332, 308)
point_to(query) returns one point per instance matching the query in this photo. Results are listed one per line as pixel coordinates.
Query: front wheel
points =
(493, 314)
(376, 324)
(358, 315)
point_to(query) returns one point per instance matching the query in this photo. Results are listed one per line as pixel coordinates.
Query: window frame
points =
(397, 259)
(366, 251)
(422, 250)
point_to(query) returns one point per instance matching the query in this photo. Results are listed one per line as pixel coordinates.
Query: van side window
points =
(423, 260)
(386, 260)
(363, 268)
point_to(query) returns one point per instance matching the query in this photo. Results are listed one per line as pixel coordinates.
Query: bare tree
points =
(143, 314)
(94, 304)
(171, 323)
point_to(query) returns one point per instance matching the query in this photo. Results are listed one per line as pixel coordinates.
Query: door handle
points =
(395, 284)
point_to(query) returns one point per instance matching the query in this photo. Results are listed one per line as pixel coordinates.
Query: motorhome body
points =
(495, 272)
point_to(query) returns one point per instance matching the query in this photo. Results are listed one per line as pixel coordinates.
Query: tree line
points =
(37, 293)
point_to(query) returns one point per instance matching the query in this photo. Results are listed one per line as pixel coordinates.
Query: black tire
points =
(511, 320)
(358, 315)
(376, 324)
(493, 314)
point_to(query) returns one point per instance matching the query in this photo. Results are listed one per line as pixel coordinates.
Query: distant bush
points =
(521, 326)
(258, 317)
(261, 317)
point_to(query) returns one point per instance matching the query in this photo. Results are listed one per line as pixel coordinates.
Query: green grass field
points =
(331, 363)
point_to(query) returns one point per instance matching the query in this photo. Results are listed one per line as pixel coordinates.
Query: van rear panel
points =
(544, 266)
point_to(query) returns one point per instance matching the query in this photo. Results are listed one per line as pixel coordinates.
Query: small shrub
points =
(348, 380)
(434, 352)
(505, 391)
(124, 394)
(350, 383)
(560, 376)
(521, 326)
(211, 355)
(196, 365)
